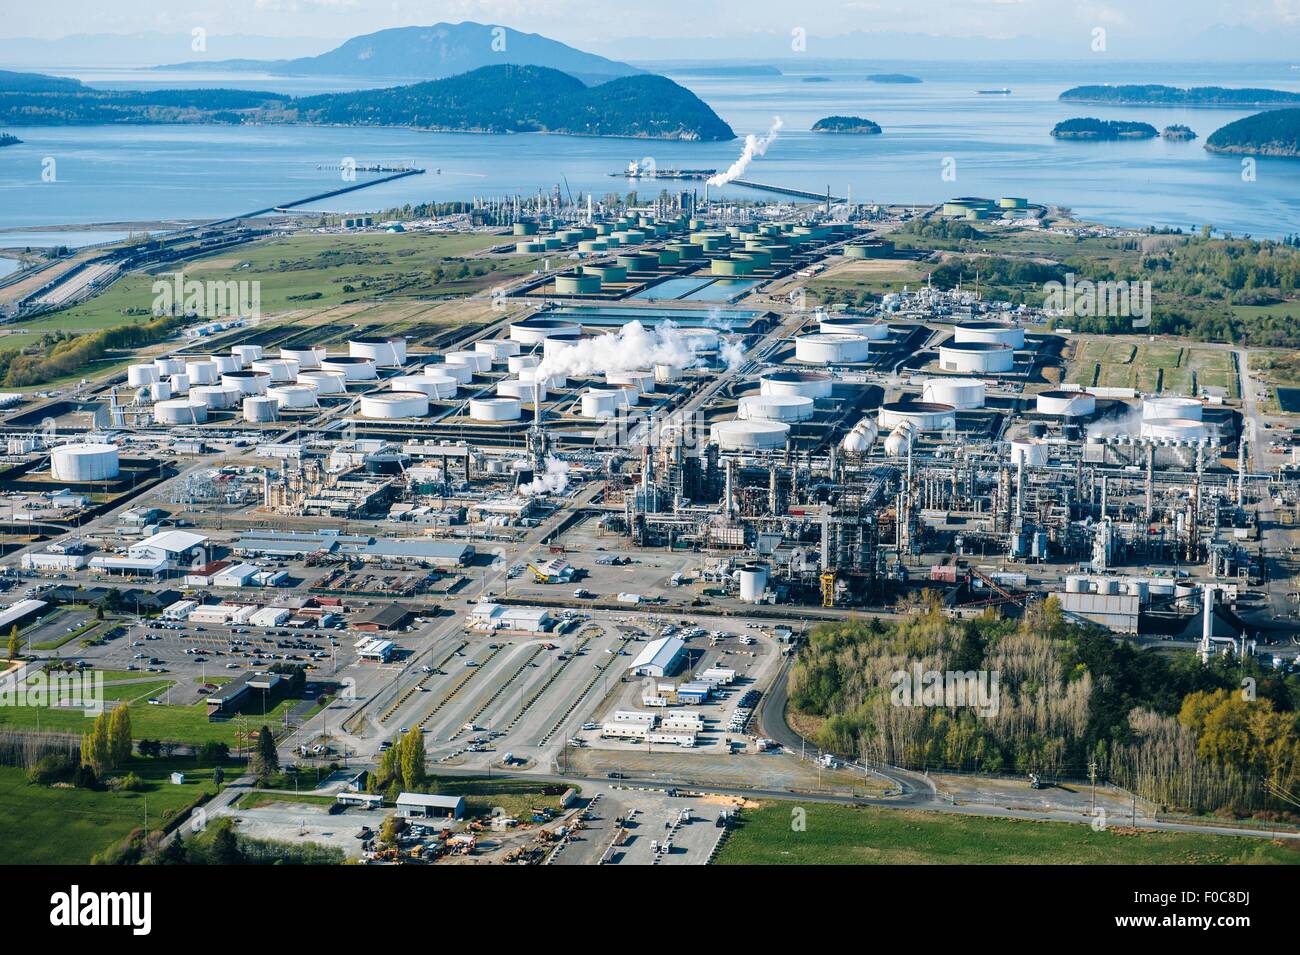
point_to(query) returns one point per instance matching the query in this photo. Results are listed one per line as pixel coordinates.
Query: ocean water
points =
(940, 139)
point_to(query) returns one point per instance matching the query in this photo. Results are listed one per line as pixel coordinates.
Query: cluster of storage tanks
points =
(861, 437)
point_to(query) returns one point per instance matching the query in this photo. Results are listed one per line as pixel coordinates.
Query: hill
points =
(1272, 133)
(36, 83)
(432, 52)
(1156, 95)
(892, 78)
(1090, 128)
(846, 124)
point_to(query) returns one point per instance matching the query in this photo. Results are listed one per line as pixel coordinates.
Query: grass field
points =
(515, 797)
(848, 835)
(56, 826)
(1158, 366)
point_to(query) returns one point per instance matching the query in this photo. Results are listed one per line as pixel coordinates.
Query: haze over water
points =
(1001, 145)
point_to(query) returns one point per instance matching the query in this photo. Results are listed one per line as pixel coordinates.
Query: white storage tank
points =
(384, 352)
(351, 368)
(900, 440)
(1188, 409)
(1029, 452)
(872, 331)
(247, 382)
(990, 333)
(260, 408)
(463, 374)
(247, 354)
(498, 349)
(1176, 429)
(523, 390)
(961, 393)
(216, 397)
(226, 364)
(737, 435)
(517, 363)
(775, 407)
(475, 360)
(1108, 586)
(169, 366)
(599, 403)
(201, 372)
(282, 370)
(84, 462)
(293, 396)
(395, 404)
(1066, 404)
(666, 374)
(160, 390)
(977, 358)
(533, 330)
(440, 386)
(141, 376)
(180, 411)
(861, 438)
(826, 348)
(494, 409)
(180, 384)
(922, 415)
(1076, 584)
(308, 357)
(643, 380)
(753, 582)
(810, 384)
(325, 382)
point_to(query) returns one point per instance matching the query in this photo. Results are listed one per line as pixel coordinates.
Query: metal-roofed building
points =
(659, 657)
(422, 805)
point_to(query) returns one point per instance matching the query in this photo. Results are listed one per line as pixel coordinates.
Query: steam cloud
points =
(632, 348)
(755, 146)
(554, 481)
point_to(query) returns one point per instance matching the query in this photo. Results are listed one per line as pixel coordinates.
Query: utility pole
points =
(1092, 775)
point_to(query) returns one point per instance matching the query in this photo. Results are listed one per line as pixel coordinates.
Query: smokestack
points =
(1207, 621)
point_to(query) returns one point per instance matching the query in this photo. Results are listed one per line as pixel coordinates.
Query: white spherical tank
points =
(247, 354)
(990, 333)
(293, 396)
(534, 330)
(861, 438)
(308, 357)
(900, 440)
(395, 404)
(1029, 452)
(247, 382)
(517, 363)
(872, 331)
(201, 372)
(169, 366)
(977, 358)
(921, 415)
(216, 397)
(523, 390)
(1188, 409)
(1065, 404)
(826, 348)
(351, 368)
(498, 349)
(141, 376)
(1176, 429)
(752, 579)
(961, 393)
(84, 462)
(325, 382)
(282, 370)
(775, 408)
(160, 390)
(599, 403)
(494, 409)
(384, 352)
(180, 411)
(260, 408)
(810, 384)
(737, 435)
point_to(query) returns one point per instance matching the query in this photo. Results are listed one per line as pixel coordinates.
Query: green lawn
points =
(56, 826)
(256, 800)
(1159, 366)
(847, 835)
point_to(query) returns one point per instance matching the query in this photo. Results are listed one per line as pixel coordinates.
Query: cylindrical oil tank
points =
(978, 358)
(599, 403)
(160, 390)
(831, 348)
(282, 370)
(1172, 407)
(180, 383)
(293, 396)
(169, 366)
(477, 361)
(810, 384)
(248, 382)
(227, 363)
(439, 386)
(628, 395)
(1108, 586)
(497, 349)
(961, 393)
(990, 333)
(849, 325)
(577, 284)
(738, 435)
(752, 579)
(494, 409)
(201, 372)
(463, 374)
(1065, 404)
(517, 363)
(247, 354)
(922, 415)
(325, 382)
(395, 404)
(308, 357)
(1076, 584)
(523, 390)
(384, 352)
(644, 380)
(667, 374)
(216, 397)
(775, 408)
(352, 368)
(1176, 429)
(260, 408)
(180, 411)
(1030, 453)
(533, 330)
(383, 463)
(141, 376)
(84, 462)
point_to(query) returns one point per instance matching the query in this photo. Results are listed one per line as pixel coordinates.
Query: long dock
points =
(784, 191)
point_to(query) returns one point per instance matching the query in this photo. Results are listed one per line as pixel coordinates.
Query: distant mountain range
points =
(495, 99)
(433, 52)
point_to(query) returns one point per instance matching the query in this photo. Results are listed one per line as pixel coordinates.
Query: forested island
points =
(1096, 129)
(892, 78)
(1178, 132)
(493, 99)
(1157, 95)
(1273, 133)
(846, 124)
(7, 140)
(727, 71)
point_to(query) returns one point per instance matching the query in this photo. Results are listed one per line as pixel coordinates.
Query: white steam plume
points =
(755, 146)
(632, 348)
(554, 481)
